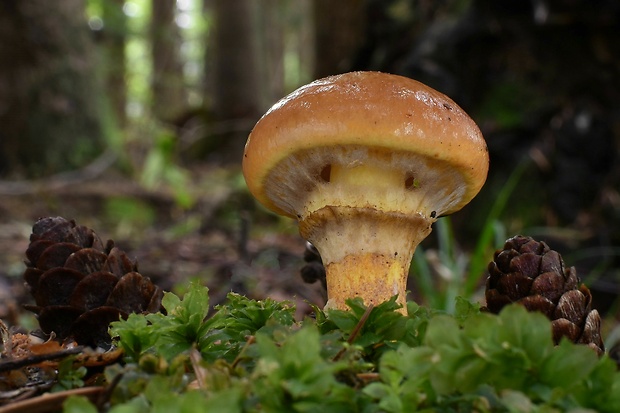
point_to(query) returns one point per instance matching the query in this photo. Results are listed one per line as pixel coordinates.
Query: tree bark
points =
(234, 78)
(114, 39)
(49, 94)
(169, 93)
(339, 32)
(271, 21)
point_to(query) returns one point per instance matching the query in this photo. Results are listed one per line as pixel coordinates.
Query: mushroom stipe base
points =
(366, 252)
(374, 277)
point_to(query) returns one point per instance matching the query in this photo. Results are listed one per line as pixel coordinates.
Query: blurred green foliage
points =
(129, 214)
(161, 169)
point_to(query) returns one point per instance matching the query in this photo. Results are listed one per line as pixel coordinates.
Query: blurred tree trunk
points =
(114, 38)
(272, 18)
(232, 77)
(169, 94)
(286, 50)
(303, 41)
(50, 99)
(339, 32)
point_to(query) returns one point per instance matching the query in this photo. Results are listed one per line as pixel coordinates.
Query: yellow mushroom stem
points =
(366, 249)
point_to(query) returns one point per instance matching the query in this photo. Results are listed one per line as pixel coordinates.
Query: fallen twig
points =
(54, 182)
(51, 402)
(12, 364)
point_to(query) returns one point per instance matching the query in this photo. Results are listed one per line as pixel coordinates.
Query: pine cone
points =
(81, 285)
(528, 272)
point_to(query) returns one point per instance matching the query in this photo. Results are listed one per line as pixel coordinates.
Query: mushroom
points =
(366, 162)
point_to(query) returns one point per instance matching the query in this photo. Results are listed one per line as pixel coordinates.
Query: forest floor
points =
(216, 241)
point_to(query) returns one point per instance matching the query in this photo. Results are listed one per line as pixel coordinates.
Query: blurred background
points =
(130, 117)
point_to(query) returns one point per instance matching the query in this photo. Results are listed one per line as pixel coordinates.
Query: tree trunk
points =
(271, 15)
(234, 78)
(339, 29)
(303, 40)
(49, 94)
(169, 94)
(114, 38)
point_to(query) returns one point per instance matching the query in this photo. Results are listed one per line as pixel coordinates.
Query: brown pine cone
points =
(528, 272)
(81, 285)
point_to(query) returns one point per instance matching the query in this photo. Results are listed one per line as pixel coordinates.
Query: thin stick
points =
(355, 331)
(37, 358)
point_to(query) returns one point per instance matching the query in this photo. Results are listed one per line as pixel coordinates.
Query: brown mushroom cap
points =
(378, 119)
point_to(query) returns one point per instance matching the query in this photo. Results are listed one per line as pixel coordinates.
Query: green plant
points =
(69, 377)
(130, 215)
(462, 272)
(160, 167)
(252, 356)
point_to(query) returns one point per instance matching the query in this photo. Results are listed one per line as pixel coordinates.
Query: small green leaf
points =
(567, 365)
(134, 335)
(443, 330)
(136, 405)
(192, 309)
(229, 401)
(170, 302)
(601, 389)
(293, 376)
(357, 306)
(226, 333)
(69, 377)
(463, 309)
(377, 390)
(530, 331)
(344, 320)
(407, 363)
(78, 404)
(516, 401)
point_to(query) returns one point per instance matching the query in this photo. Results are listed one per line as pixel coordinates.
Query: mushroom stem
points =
(366, 252)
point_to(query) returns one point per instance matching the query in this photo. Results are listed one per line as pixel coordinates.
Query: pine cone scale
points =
(526, 264)
(132, 293)
(118, 263)
(592, 329)
(58, 319)
(514, 285)
(86, 260)
(54, 284)
(552, 262)
(56, 255)
(571, 307)
(564, 328)
(538, 303)
(550, 285)
(93, 290)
